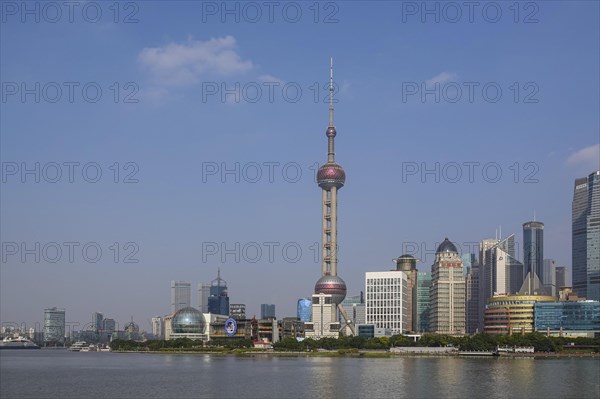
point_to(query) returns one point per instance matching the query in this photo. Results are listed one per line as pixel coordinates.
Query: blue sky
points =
(178, 130)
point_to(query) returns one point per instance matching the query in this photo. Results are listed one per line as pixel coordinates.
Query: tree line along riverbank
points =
(347, 345)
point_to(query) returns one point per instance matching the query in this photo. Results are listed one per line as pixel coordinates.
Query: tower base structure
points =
(324, 322)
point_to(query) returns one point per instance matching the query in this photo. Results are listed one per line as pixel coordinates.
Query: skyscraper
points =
(423, 300)
(304, 309)
(550, 277)
(218, 301)
(408, 265)
(586, 236)
(472, 295)
(267, 311)
(385, 300)
(485, 278)
(447, 313)
(561, 277)
(330, 177)
(158, 327)
(97, 321)
(181, 295)
(109, 326)
(54, 326)
(506, 271)
(533, 255)
(203, 294)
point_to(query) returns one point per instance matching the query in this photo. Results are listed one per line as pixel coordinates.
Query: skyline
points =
(175, 136)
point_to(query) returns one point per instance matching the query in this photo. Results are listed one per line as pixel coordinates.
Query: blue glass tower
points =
(218, 301)
(304, 310)
(586, 236)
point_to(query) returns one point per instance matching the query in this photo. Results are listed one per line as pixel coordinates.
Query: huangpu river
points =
(63, 374)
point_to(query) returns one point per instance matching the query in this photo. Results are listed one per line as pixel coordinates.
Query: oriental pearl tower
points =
(330, 177)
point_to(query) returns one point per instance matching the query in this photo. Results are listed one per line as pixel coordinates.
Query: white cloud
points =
(588, 157)
(441, 78)
(270, 79)
(179, 64)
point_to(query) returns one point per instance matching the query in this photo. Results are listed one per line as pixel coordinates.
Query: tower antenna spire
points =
(331, 92)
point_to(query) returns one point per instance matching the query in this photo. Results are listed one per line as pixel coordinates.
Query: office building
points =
(181, 295)
(505, 271)
(561, 278)
(304, 309)
(533, 256)
(355, 311)
(218, 301)
(423, 300)
(568, 318)
(447, 313)
(158, 327)
(237, 311)
(109, 326)
(408, 265)
(472, 295)
(203, 294)
(97, 319)
(54, 326)
(486, 290)
(385, 300)
(586, 236)
(549, 280)
(267, 311)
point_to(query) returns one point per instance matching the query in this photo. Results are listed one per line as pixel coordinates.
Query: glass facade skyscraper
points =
(267, 311)
(471, 293)
(218, 301)
(54, 325)
(586, 236)
(181, 295)
(423, 286)
(304, 309)
(533, 249)
(97, 319)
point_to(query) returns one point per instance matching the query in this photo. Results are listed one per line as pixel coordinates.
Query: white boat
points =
(17, 343)
(79, 346)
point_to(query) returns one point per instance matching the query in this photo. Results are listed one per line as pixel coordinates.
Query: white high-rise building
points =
(203, 294)
(181, 295)
(157, 327)
(385, 300)
(506, 272)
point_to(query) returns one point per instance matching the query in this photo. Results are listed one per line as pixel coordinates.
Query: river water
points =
(63, 374)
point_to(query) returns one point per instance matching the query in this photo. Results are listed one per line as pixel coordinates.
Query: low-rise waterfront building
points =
(568, 318)
(512, 314)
